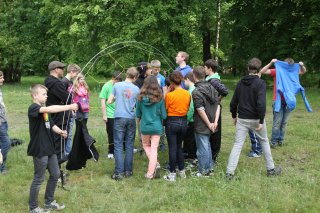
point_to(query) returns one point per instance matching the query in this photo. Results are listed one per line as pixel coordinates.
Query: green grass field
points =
(92, 189)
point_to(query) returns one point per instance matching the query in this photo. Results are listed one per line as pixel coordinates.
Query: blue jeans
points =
(255, 143)
(124, 131)
(280, 120)
(5, 144)
(204, 154)
(69, 138)
(176, 128)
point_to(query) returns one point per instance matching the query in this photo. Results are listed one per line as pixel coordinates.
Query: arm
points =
(61, 93)
(221, 88)
(303, 69)
(58, 108)
(103, 109)
(216, 117)
(111, 99)
(59, 131)
(266, 69)
(261, 104)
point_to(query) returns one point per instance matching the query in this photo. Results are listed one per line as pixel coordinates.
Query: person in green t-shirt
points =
(108, 109)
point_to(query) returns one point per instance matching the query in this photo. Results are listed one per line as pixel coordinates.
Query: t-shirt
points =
(3, 117)
(125, 94)
(191, 107)
(104, 94)
(273, 74)
(177, 102)
(184, 71)
(41, 139)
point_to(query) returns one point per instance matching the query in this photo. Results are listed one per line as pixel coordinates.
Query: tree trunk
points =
(216, 49)
(206, 38)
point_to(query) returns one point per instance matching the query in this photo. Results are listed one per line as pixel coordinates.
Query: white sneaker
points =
(135, 150)
(182, 174)
(170, 177)
(110, 156)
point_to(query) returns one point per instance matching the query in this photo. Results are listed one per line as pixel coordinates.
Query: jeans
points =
(189, 142)
(40, 166)
(176, 128)
(280, 120)
(124, 131)
(5, 144)
(255, 143)
(204, 154)
(242, 128)
(109, 128)
(150, 146)
(215, 140)
(69, 138)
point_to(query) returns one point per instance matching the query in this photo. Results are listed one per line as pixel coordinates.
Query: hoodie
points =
(214, 79)
(249, 99)
(204, 96)
(151, 116)
(57, 95)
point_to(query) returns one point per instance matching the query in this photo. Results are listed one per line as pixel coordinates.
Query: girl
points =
(81, 95)
(151, 112)
(177, 102)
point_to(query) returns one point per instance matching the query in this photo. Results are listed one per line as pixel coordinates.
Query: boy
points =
(189, 142)
(156, 66)
(108, 110)
(181, 60)
(42, 148)
(72, 71)
(125, 96)
(249, 102)
(206, 116)
(5, 142)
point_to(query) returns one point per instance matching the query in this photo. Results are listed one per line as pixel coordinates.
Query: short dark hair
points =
(213, 64)
(254, 65)
(189, 76)
(176, 77)
(289, 60)
(199, 72)
(117, 76)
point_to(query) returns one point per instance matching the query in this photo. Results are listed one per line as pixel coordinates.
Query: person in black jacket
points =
(58, 95)
(248, 108)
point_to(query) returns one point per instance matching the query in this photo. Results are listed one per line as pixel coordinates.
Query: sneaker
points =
(157, 171)
(170, 177)
(274, 172)
(110, 156)
(54, 206)
(252, 154)
(39, 210)
(4, 172)
(229, 176)
(273, 145)
(280, 143)
(199, 174)
(116, 176)
(128, 174)
(135, 150)
(182, 174)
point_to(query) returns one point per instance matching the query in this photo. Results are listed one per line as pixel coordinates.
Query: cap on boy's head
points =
(55, 64)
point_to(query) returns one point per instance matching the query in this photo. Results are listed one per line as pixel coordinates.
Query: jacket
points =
(204, 96)
(249, 99)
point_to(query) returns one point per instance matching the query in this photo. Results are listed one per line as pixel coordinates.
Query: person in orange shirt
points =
(177, 102)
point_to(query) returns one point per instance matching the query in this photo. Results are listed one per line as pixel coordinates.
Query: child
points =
(42, 148)
(81, 95)
(125, 96)
(151, 112)
(108, 110)
(248, 108)
(5, 142)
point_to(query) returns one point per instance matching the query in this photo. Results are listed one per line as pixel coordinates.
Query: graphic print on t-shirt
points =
(46, 120)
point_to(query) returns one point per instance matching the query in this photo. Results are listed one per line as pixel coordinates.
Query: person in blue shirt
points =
(181, 60)
(156, 66)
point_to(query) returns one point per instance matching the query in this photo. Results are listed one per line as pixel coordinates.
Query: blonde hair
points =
(34, 89)
(155, 63)
(76, 83)
(132, 73)
(185, 55)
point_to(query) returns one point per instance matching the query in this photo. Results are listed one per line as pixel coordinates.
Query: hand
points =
(234, 121)
(274, 60)
(215, 125)
(301, 63)
(105, 119)
(259, 127)
(64, 133)
(74, 107)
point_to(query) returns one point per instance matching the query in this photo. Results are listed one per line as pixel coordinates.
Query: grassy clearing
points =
(92, 190)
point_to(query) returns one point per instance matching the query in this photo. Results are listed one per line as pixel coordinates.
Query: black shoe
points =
(128, 174)
(116, 176)
(274, 172)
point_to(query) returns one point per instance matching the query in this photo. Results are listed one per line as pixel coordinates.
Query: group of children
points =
(186, 106)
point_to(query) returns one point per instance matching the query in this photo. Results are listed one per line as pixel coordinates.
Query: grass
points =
(92, 190)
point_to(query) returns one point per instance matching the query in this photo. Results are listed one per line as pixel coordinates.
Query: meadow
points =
(92, 189)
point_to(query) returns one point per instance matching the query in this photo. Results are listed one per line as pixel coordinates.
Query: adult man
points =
(5, 142)
(181, 60)
(58, 95)
(280, 119)
(248, 108)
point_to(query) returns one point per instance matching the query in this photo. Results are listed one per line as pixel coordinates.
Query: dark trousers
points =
(40, 166)
(176, 128)
(109, 128)
(215, 141)
(60, 145)
(189, 142)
